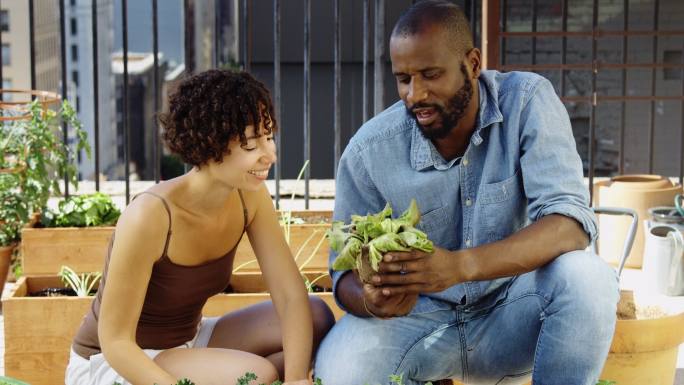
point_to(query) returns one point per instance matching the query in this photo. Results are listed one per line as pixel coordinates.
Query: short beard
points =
(450, 116)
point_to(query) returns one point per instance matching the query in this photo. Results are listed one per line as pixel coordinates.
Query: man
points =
(508, 293)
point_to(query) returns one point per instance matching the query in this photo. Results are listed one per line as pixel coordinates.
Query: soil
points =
(366, 271)
(56, 292)
(628, 310)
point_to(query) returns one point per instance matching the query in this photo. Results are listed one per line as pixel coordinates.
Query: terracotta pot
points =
(644, 351)
(5, 261)
(638, 192)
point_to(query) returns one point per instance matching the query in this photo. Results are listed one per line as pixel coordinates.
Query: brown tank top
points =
(173, 303)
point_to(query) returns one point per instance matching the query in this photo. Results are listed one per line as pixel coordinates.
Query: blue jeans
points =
(554, 324)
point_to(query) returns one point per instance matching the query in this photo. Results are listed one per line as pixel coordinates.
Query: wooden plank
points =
(39, 330)
(83, 249)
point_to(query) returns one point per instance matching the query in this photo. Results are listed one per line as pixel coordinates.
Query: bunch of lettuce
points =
(376, 234)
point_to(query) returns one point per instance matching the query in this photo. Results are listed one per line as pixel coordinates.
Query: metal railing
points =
(497, 54)
(493, 15)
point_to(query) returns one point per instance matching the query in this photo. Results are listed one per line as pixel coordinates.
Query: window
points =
(74, 77)
(4, 20)
(74, 26)
(6, 83)
(6, 60)
(672, 57)
(74, 52)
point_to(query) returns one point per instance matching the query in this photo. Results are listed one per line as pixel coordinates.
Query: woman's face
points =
(247, 165)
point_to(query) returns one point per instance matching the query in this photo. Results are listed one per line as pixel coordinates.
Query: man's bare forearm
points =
(528, 249)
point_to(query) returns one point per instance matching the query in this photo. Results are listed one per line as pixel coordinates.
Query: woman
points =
(173, 248)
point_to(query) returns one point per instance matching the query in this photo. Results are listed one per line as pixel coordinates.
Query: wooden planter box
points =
(39, 330)
(45, 250)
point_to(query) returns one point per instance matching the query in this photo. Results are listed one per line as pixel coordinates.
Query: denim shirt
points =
(520, 165)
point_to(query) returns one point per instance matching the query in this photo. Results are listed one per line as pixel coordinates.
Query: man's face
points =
(432, 80)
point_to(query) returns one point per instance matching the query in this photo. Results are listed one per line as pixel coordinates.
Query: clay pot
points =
(638, 192)
(5, 261)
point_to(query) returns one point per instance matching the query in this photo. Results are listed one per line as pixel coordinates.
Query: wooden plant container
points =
(45, 250)
(39, 330)
(304, 239)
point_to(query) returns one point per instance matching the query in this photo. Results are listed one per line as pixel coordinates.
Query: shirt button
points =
(465, 161)
(469, 202)
(468, 242)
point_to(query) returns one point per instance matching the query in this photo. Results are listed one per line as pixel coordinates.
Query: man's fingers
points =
(398, 267)
(415, 288)
(399, 256)
(397, 279)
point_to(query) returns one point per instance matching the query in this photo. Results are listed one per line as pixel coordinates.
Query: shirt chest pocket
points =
(502, 205)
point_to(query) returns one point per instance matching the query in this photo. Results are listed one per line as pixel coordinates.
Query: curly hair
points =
(209, 109)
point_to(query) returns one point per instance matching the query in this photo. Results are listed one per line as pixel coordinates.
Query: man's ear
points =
(474, 62)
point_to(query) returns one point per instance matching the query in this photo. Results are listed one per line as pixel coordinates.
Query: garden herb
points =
(376, 234)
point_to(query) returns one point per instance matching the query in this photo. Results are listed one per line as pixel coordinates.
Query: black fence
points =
(544, 20)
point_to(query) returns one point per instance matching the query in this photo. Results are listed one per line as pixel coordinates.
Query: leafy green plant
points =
(82, 284)
(373, 235)
(33, 161)
(606, 382)
(96, 209)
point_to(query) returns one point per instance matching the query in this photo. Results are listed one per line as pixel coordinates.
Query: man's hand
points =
(385, 306)
(416, 272)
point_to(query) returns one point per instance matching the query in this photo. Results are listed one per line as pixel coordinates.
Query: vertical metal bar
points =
(2, 85)
(623, 113)
(651, 136)
(189, 40)
(65, 127)
(307, 98)
(364, 77)
(378, 55)
(32, 43)
(217, 43)
(126, 132)
(96, 95)
(534, 29)
(155, 124)
(681, 149)
(276, 89)
(594, 73)
(473, 19)
(246, 36)
(337, 117)
(493, 22)
(564, 45)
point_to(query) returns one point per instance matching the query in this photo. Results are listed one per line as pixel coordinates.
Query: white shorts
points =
(96, 370)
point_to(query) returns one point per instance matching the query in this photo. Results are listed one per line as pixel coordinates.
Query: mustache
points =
(416, 106)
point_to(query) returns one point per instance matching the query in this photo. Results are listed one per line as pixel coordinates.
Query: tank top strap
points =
(244, 211)
(168, 212)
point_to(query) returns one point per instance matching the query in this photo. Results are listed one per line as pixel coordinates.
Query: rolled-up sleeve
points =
(552, 169)
(355, 194)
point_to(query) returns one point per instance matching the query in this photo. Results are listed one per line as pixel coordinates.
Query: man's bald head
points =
(427, 14)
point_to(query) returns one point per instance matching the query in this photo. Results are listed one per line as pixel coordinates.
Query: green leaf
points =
(388, 242)
(412, 214)
(346, 260)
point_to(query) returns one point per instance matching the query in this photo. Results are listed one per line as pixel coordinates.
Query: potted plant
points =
(32, 162)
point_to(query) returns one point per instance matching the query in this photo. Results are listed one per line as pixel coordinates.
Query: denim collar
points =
(424, 154)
